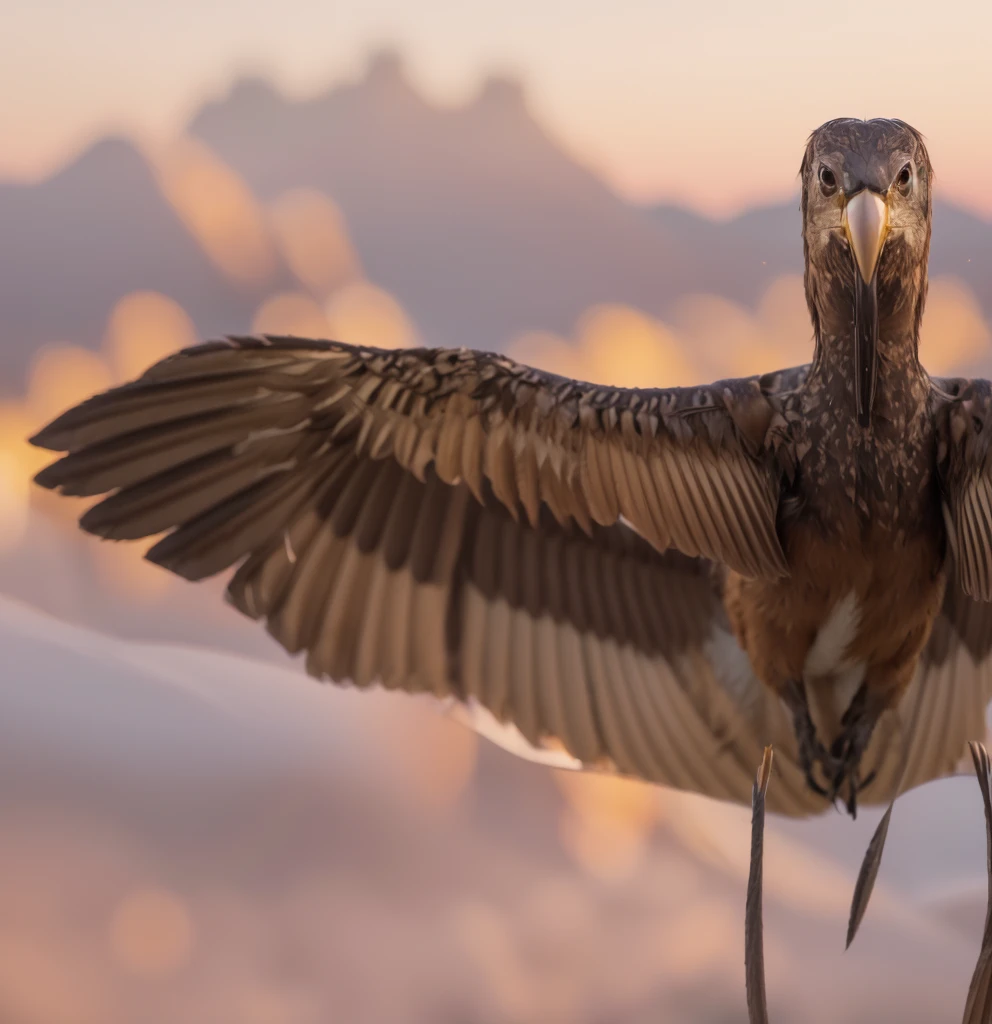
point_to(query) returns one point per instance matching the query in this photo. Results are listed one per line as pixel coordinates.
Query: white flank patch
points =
(732, 667)
(828, 655)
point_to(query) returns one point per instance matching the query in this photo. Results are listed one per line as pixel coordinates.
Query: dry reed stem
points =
(978, 1008)
(754, 954)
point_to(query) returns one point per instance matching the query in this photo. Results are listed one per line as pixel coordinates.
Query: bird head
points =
(866, 236)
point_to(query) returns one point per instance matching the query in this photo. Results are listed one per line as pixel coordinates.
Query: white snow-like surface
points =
(291, 824)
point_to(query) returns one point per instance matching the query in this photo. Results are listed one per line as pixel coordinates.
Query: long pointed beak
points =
(866, 220)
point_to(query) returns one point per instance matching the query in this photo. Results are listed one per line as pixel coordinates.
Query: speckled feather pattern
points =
(695, 468)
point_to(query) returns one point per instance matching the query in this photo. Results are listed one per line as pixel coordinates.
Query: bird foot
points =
(858, 725)
(810, 750)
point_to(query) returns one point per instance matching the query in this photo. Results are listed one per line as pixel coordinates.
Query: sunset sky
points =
(705, 103)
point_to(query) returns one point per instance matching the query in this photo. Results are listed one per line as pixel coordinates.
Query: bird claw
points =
(848, 749)
(811, 751)
(841, 763)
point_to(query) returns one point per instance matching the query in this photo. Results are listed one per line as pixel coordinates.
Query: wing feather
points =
(587, 452)
(963, 415)
(448, 522)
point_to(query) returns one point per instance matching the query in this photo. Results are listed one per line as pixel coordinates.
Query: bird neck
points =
(899, 375)
(900, 291)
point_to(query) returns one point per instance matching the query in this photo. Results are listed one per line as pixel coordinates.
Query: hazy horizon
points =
(666, 108)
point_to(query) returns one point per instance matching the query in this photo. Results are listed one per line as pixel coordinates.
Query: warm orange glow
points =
(219, 209)
(19, 461)
(14, 497)
(291, 313)
(61, 376)
(437, 757)
(615, 345)
(954, 332)
(608, 821)
(151, 933)
(784, 310)
(631, 347)
(710, 337)
(143, 328)
(125, 569)
(313, 239)
(362, 314)
(730, 341)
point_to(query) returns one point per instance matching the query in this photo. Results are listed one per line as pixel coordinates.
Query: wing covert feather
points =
(963, 414)
(691, 468)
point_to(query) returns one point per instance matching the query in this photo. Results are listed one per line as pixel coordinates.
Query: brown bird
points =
(656, 582)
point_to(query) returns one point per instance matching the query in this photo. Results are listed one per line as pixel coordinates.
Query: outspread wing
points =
(963, 412)
(947, 704)
(450, 522)
(378, 526)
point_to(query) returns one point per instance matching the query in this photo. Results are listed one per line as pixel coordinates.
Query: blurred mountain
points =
(77, 242)
(473, 217)
(962, 246)
(483, 225)
(736, 258)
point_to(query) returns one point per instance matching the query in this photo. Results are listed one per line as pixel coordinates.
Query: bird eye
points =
(828, 182)
(905, 177)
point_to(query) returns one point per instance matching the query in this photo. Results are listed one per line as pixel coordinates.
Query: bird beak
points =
(866, 222)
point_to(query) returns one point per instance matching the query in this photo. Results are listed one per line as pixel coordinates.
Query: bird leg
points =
(811, 750)
(857, 727)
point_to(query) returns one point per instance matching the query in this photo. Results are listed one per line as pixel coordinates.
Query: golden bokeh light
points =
(313, 240)
(291, 313)
(632, 348)
(19, 461)
(723, 334)
(14, 500)
(954, 332)
(151, 933)
(61, 376)
(711, 337)
(608, 821)
(729, 340)
(219, 209)
(362, 314)
(143, 328)
(615, 345)
(784, 310)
